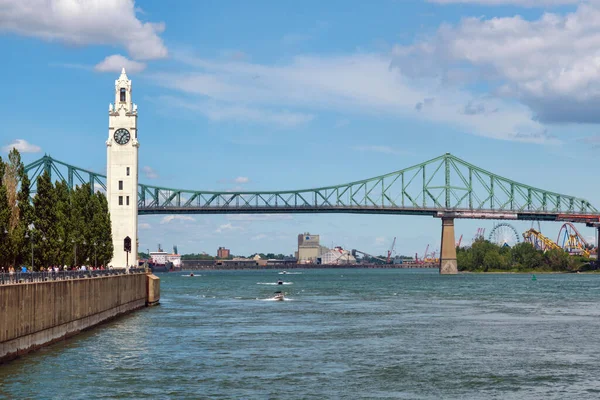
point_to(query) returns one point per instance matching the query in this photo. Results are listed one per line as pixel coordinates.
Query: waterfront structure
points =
(222, 252)
(159, 257)
(309, 248)
(122, 173)
(445, 187)
(238, 262)
(338, 256)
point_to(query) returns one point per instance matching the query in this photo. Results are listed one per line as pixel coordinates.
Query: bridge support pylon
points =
(448, 264)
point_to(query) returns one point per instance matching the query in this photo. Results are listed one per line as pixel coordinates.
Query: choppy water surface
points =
(343, 334)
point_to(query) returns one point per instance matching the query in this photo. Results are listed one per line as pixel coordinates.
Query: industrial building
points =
(222, 253)
(337, 256)
(309, 248)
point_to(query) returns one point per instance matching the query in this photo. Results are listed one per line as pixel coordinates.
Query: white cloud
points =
(260, 236)
(144, 225)
(378, 149)
(228, 227)
(219, 111)
(22, 146)
(237, 188)
(149, 172)
(551, 64)
(170, 218)
(116, 62)
(105, 22)
(523, 3)
(99, 188)
(380, 240)
(363, 83)
(241, 179)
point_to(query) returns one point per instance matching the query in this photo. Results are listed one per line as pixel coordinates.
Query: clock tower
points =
(122, 173)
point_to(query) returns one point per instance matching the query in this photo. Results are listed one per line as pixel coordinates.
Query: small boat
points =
(283, 272)
(280, 282)
(278, 296)
(191, 274)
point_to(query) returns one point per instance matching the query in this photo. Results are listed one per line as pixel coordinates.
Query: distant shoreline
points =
(285, 267)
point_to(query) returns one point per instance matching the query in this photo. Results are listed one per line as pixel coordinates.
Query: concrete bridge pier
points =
(448, 264)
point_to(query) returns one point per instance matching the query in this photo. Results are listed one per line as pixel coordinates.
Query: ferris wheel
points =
(504, 234)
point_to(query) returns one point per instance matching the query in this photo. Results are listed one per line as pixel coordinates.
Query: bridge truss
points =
(445, 186)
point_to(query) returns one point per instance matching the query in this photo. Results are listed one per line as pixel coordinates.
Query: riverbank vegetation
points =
(56, 225)
(484, 256)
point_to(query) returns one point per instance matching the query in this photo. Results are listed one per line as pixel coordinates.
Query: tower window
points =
(123, 95)
(127, 171)
(120, 185)
(120, 200)
(127, 200)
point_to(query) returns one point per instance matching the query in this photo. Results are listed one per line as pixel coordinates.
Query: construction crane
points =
(354, 251)
(389, 255)
(459, 241)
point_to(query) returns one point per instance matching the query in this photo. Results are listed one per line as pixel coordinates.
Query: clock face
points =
(122, 136)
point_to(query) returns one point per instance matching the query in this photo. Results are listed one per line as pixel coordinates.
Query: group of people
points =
(23, 269)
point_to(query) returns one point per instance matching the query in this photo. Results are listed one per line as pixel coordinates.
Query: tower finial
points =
(123, 70)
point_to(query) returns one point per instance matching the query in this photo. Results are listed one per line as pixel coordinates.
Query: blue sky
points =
(273, 95)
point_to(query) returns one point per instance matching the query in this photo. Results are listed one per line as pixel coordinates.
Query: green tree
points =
(81, 215)
(63, 225)
(105, 246)
(525, 256)
(5, 215)
(45, 236)
(558, 260)
(493, 260)
(17, 184)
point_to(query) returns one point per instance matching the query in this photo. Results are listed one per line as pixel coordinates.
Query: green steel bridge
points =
(445, 186)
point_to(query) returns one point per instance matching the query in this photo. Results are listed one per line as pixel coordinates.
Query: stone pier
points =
(448, 264)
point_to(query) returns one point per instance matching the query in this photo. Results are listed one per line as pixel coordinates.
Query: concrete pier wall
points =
(40, 313)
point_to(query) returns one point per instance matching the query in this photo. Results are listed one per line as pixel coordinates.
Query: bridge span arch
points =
(444, 187)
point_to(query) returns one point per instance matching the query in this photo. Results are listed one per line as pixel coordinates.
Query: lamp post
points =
(30, 228)
(95, 258)
(74, 253)
(44, 245)
(5, 235)
(60, 251)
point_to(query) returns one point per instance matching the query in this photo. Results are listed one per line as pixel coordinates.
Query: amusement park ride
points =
(569, 238)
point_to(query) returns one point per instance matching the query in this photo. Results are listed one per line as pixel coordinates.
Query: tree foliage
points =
(485, 256)
(58, 226)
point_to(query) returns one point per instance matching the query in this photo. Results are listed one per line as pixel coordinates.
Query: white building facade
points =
(122, 173)
(338, 256)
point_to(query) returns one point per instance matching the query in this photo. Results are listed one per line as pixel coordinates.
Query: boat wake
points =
(274, 283)
(290, 273)
(274, 299)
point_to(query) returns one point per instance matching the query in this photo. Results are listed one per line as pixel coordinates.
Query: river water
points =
(343, 334)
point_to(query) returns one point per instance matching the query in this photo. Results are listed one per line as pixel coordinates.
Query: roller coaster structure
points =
(539, 241)
(572, 241)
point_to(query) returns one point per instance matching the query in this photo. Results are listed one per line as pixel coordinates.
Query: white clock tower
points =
(122, 172)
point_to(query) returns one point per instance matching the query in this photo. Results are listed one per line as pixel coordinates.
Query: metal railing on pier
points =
(43, 276)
